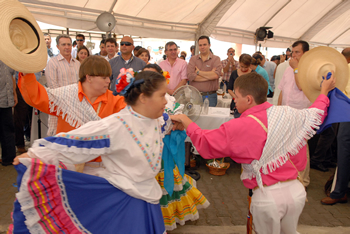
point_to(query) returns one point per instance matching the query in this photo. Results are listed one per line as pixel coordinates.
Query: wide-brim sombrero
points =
(22, 45)
(317, 63)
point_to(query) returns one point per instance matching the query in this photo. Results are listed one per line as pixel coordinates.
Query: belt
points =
(272, 184)
(207, 93)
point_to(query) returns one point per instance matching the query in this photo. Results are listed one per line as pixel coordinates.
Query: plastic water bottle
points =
(205, 106)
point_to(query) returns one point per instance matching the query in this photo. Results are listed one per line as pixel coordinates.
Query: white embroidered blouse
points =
(129, 144)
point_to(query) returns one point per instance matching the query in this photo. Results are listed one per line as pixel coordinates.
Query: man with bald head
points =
(125, 60)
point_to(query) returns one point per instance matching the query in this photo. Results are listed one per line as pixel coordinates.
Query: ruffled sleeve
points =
(75, 147)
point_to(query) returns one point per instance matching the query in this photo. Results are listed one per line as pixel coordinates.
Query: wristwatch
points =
(198, 72)
(296, 71)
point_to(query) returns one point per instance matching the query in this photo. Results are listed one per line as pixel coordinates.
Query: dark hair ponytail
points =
(151, 83)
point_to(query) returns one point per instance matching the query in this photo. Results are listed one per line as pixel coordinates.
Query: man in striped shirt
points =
(60, 71)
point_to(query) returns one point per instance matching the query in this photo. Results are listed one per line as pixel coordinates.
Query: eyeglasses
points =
(79, 40)
(125, 43)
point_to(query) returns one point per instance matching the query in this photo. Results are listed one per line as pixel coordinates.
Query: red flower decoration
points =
(122, 83)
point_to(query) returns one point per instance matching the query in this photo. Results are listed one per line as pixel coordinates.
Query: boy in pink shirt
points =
(269, 141)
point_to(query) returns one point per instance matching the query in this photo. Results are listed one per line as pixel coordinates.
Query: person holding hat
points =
(75, 104)
(123, 195)
(269, 141)
(22, 47)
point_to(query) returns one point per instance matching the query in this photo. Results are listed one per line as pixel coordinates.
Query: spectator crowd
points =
(204, 71)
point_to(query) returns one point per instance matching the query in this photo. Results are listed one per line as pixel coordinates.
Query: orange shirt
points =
(36, 96)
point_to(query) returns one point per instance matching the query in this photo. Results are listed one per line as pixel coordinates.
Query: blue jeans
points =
(213, 99)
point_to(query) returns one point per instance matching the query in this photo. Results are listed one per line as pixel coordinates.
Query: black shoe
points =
(330, 165)
(319, 167)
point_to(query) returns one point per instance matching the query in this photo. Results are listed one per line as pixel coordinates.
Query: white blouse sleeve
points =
(75, 147)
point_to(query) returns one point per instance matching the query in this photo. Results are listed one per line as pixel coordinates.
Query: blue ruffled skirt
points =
(55, 200)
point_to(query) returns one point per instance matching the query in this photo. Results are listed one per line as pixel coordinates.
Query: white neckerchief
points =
(65, 101)
(288, 130)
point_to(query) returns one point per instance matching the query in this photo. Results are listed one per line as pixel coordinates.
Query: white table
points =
(226, 101)
(211, 121)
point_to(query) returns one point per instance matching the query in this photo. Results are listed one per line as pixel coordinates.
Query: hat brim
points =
(29, 60)
(316, 63)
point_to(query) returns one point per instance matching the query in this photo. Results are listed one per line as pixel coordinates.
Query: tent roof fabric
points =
(320, 22)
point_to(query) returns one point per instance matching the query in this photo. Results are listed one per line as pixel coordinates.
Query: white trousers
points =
(277, 210)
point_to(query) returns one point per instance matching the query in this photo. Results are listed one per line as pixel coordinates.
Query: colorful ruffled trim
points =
(182, 205)
(44, 201)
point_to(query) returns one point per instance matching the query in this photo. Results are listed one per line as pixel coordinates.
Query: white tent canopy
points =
(320, 22)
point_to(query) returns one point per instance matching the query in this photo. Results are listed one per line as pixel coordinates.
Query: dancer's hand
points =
(328, 85)
(178, 126)
(183, 119)
(16, 160)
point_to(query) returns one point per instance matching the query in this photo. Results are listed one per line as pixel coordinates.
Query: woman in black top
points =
(244, 64)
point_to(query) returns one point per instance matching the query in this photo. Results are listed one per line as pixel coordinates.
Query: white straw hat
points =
(22, 46)
(317, 63)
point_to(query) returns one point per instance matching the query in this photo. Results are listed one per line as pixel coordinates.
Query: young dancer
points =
(126, 198)
(269, 141)
(181, 199)
(75, 104)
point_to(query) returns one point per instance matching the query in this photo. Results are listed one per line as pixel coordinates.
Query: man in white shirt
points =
(60, 71)
(111, 45)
